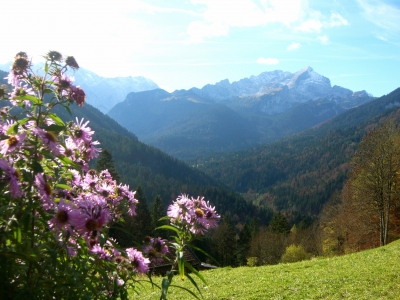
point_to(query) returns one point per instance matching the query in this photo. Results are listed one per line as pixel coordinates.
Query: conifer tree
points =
(279, 224)
(142, 222)
(106, 162)
(243, 244)
(156, 212)
(224, 242)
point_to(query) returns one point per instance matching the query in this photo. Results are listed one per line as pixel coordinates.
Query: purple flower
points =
(49, 139)
(66, 215)
(13, 78)
(20, 91)
(44, 188)
(101, 252)
(12, 175)
(139, 263)
(95, 214)
(63, 81)
(123, 190)
(155, 249)
(78, 95)
(196, 215)
(82, 132)
(13, 142)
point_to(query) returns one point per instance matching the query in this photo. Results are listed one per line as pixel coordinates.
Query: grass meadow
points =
(370, 274)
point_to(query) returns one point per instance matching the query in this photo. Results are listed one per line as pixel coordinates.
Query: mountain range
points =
(233, 116)
(103, 92)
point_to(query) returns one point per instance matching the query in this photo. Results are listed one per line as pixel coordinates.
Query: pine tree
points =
(106, 162)
(157, 212)
(142, 222)
(279, 224)
(243, 245)
(224, 242)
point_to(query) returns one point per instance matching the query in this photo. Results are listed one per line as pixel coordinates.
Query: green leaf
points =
(34, 99)
(185, 289)
(13, 128)
(181, 265)
(204, 252)
(197, 273)
(170, 228)
(67, 162)
(164, 288)
(63, 186)
(36, 167)
(54, 128)
(194, 283)
(56, 119)
(47, 91)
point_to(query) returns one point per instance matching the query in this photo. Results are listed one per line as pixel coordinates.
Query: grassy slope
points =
(372, 274)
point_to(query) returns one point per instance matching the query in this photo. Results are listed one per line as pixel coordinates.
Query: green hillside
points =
(298, 174)
(156, 172)
(371, 274)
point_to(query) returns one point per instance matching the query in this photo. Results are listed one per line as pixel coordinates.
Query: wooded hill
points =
(156, 172)
(299, 174)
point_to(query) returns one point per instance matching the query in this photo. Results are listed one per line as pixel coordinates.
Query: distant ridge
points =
(227, 117)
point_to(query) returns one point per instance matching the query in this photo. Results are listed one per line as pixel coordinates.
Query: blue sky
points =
(184, 44)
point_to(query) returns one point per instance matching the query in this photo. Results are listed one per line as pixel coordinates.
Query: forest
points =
(278, 202)
(294, 199)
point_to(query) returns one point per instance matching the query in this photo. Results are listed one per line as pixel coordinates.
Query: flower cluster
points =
(56, 211)
(155, 249)
(196, 215)
(52, 203)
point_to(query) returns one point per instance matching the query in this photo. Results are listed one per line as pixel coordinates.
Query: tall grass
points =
(371, 274)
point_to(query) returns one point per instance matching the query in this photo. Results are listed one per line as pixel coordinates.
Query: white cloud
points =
(310, 26)
(267, 61)
(227, 14)
(244, 13)
(293, 46)
(381, 14)
(324, 40)
(337, 20)
(385, 16)
(199, 30)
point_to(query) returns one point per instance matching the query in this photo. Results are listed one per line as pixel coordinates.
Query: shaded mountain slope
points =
(299, 173)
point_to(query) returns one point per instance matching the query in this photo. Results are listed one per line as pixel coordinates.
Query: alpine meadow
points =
(201, 149)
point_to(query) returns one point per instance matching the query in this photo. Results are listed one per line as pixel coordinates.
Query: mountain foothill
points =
(276, 142)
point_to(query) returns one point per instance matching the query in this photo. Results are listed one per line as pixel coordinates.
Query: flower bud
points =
(20, 65)
(78, 95)
(3, 91)
(71, 62)
(54, 56)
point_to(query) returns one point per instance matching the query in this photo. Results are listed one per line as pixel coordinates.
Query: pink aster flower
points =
(49, 139)
(12, 143)
(13, 78)
(65, 215)
(95, 214)
(78, 95)
(91, 150)
(101, 252)
(138, 261)
(20, 91)
(12, 176)
(123, 190)
(44, 190)
(81, 132)
(155, 249)
(206, 215)
(196, 215)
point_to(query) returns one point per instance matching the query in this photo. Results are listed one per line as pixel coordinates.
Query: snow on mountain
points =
(277, 91)
(104, 93)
